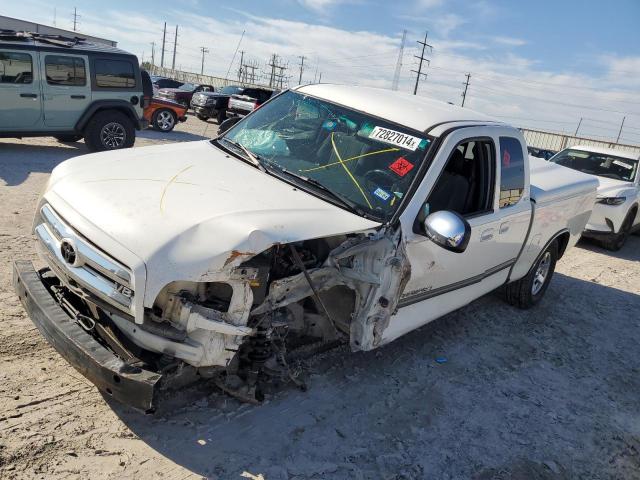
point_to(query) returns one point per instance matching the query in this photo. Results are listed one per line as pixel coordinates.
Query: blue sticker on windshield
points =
(383, 195)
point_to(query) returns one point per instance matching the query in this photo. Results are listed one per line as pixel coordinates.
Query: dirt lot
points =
(551, 393)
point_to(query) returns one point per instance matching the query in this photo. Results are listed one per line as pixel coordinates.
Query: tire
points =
(109, 130)
(221, 116)
(204, 118)
(164, 120)
(68, 138)
(616, 241)
(530, 289)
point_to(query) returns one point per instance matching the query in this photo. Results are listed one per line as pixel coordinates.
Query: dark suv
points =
(69, 89)
(215, 105)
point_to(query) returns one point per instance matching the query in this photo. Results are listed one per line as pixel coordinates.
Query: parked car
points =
(162, 115)
(242, 105)
(69, 89)
(163, 82)
(616, 213)
(541, 152)
(330, 214)
(183, 94)
(215, 105)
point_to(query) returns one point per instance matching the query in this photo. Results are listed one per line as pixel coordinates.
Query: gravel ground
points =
(550, 393)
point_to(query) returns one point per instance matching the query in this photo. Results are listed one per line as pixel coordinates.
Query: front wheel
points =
(616, 241)
(164, 120)
(530, 289)
(221, 116)
(204, 118)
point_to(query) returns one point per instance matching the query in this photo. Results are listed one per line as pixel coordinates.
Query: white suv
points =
(616, 212)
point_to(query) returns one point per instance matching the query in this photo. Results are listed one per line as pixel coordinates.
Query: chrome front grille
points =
(80, 265)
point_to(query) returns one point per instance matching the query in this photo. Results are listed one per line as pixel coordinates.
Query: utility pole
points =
(241, 67)
(153, 53)
(54, 16)
(164, 39)
(273, 66)
(203, 50)
(466, 86)
(75, 19)
(396, 75)
(422, 59)
(620, 132)
(302, 57)
(578, 127)
(175, 46)
(320, 79)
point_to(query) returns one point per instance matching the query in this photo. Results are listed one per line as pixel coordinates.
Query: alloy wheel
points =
(542, 272)
(113, 135)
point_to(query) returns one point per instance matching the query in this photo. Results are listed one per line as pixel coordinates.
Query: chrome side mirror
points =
(448, 230)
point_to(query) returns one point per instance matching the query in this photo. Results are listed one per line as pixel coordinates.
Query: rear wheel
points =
(616, 241)
(529, 290)
(204, 118)
(109, 130)
(164, 120)
(68, 138)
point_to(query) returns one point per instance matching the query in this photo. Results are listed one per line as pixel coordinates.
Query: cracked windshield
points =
(363, 162)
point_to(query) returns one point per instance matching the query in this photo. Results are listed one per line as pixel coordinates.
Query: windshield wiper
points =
(252, 157)
(345, 202)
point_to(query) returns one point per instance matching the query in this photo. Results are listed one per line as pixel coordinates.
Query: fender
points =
(121, 105)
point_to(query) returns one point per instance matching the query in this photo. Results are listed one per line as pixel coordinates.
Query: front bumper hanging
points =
(132, 386)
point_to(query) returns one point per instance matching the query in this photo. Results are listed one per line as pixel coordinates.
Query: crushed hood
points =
(191, 207)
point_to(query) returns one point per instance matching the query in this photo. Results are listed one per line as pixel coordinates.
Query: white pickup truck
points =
(331, 214)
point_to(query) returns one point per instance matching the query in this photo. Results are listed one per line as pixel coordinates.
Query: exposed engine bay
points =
(245, 328)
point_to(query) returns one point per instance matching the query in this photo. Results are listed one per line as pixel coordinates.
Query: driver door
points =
(441, 281)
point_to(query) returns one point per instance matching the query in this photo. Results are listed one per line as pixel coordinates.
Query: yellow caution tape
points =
(335, 149)
(386, 150)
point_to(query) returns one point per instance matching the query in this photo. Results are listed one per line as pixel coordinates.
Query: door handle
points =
(486, 235)
(504, 228)
(78, 96)
(28, 95)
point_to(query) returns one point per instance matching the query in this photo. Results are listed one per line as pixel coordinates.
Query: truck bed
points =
(552, 182)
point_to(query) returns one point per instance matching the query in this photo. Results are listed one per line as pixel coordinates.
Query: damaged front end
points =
(243, 324)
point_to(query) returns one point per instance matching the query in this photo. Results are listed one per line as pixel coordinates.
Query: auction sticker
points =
(393, 137)
(401, 166)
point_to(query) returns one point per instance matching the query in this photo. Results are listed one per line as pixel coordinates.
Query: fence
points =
(558, 141)
(216, 82)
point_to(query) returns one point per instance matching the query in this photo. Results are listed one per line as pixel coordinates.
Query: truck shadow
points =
(506, 383)
(18, 160)
(630, 251)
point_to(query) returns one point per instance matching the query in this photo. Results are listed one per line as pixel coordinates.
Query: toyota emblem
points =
(69, 253)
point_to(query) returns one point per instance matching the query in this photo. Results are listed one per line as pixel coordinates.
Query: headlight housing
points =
(611, 200)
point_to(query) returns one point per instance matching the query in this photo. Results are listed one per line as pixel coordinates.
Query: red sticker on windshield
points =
(401, 166)
(506, 159)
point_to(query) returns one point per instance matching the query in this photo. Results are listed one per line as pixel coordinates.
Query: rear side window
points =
(66, 71)
(512, 168)
(15, 68)
(114, 74)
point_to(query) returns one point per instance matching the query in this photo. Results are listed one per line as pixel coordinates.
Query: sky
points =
(539, 64)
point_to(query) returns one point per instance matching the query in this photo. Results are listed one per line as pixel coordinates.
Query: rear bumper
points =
(129, 385)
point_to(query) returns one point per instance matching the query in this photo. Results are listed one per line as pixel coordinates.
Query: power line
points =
(422, 59)
(234, 54)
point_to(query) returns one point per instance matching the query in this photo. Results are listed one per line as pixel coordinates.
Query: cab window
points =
(15, 68)
(512, 171)
(65, 71)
